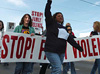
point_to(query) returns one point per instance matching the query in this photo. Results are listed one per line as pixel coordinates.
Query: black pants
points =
(43, 68)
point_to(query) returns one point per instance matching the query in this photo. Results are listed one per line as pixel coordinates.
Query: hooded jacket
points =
(56, 34)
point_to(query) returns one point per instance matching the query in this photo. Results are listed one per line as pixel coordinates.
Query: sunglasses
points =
(69, 29)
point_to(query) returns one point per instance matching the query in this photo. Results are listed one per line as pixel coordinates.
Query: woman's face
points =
(0, 25)
(69, 30)
(59, 18)
(26, 19)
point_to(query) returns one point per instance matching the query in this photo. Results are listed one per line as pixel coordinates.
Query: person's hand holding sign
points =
(32, 34)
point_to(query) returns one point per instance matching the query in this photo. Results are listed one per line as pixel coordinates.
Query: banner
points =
(91, 49)
(18, 47)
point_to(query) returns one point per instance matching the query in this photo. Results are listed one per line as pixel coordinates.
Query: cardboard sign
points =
(37, 19)
(10, 27)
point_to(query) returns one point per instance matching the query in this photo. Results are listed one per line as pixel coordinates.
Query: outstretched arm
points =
(47, 9)
(74, 44)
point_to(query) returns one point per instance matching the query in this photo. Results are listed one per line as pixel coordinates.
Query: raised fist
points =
(49, 0)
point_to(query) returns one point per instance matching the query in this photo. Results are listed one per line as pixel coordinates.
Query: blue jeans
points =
(68, 65)
(56, 61)
(23, 68)
(95, 66)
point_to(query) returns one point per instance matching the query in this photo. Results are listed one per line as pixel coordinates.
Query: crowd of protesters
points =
(55, 44)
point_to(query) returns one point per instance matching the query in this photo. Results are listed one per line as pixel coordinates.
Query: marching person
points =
(43, 65)
(25, 27)
(96, 27)
(1, 25)
(68, 24)
(57, 36)
(2, 31)
(69, 65)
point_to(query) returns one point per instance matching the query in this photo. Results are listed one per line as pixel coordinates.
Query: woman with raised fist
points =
(57, 36)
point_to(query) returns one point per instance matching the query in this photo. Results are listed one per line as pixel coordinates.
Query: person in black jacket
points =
(69, 65)
(96, 31)
(57, 36)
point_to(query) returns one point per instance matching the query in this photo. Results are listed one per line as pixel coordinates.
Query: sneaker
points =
(68, 72)
(40, 66)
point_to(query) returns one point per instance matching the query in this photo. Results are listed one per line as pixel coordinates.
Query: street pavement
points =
(82, 67)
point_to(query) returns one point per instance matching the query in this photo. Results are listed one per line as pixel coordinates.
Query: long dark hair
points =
(54, 16)
(22, 20)
(2, 24)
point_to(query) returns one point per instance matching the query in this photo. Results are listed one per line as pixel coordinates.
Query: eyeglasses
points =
(69, 29)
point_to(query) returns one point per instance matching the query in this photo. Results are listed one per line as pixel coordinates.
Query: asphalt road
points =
(82, 67)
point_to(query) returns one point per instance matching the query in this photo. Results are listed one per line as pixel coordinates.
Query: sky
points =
(79, 14)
